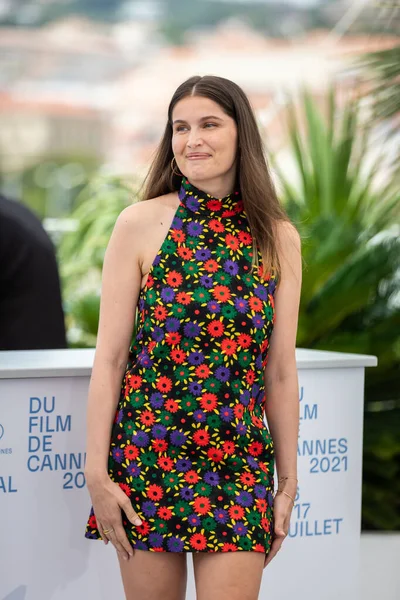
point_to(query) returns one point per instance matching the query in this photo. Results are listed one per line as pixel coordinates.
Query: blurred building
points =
(58, 86)
(76, 86)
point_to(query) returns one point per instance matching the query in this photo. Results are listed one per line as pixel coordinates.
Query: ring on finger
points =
(105, 531)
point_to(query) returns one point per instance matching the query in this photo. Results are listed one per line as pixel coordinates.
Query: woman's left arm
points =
(281, 382)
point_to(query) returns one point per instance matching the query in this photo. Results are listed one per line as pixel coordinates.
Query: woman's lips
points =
(198, 156)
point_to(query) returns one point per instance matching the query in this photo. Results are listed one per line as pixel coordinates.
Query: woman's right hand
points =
(108, 499)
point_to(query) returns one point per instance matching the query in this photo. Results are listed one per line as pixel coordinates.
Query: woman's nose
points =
(194, 138)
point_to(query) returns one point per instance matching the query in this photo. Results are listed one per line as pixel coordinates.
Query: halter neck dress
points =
(189, 445)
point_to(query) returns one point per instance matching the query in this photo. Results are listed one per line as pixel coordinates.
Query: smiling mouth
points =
(197, 156)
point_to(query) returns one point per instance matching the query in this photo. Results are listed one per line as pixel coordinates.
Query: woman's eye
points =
(183, 127)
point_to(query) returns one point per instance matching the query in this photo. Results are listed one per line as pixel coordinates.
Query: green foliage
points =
(50, 187)
(349, 230)
(381, 471)
(351, 246)
(382, 70)
(81, 254)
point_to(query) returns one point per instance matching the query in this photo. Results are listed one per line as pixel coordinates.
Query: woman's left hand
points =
(283, 507)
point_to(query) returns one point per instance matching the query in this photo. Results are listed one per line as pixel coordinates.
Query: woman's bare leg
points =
(151, 575)
(228, 575)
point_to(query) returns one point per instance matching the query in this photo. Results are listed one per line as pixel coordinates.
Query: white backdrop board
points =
(44, 503)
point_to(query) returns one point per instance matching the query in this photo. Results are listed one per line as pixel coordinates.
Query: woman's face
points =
(204, 140)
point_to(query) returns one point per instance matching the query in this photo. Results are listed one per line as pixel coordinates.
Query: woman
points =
(178, 457)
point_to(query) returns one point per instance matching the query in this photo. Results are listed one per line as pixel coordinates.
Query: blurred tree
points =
(382, 72)
(350, 230)
(81, 253)
(50, 187)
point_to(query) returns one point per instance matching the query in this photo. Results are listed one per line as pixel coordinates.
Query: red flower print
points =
(135, 381)
(178, 236)
(255, 448)
(236, 512)
(144, 528)
(201, 505)
(255, 304)
(198, 541)
(173, 338)
(201, 437)
(221, 293)
(245, 238)
(191, 477)
(178, 356)
(215, 328)
(131, 452)
(159, 445)
(211, 266)
(164, 384)
(261, 505)
(265, 345)
(265, 524)
(149, 281)
(216, 225)
(183, 298)
(160, 313)
(208, 401)
(174, 279)
(164, 513)
(229, 447)
(259, 548)
(228, 347)
(155, 492)
(232, 241)
(238, 411)
(247, 479)
(185, 253)
(171, 405)
(203, 371)
(257, 421)
(263, 467)
(214, 204)
(250, 377)
(165, 463)
(93, 522)
(229, 547)
(215, 454)
(147, 418)
(244, 340)
(125, 488)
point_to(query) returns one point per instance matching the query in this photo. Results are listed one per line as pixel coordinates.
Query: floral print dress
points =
(189, 446)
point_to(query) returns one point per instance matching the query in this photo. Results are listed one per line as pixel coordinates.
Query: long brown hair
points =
(260, 200)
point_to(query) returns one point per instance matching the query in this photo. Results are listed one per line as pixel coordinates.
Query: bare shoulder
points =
(289, 250)
(288, 236)
(140, 215)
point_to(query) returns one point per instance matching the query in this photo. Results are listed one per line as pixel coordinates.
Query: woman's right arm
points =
(121, 280)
